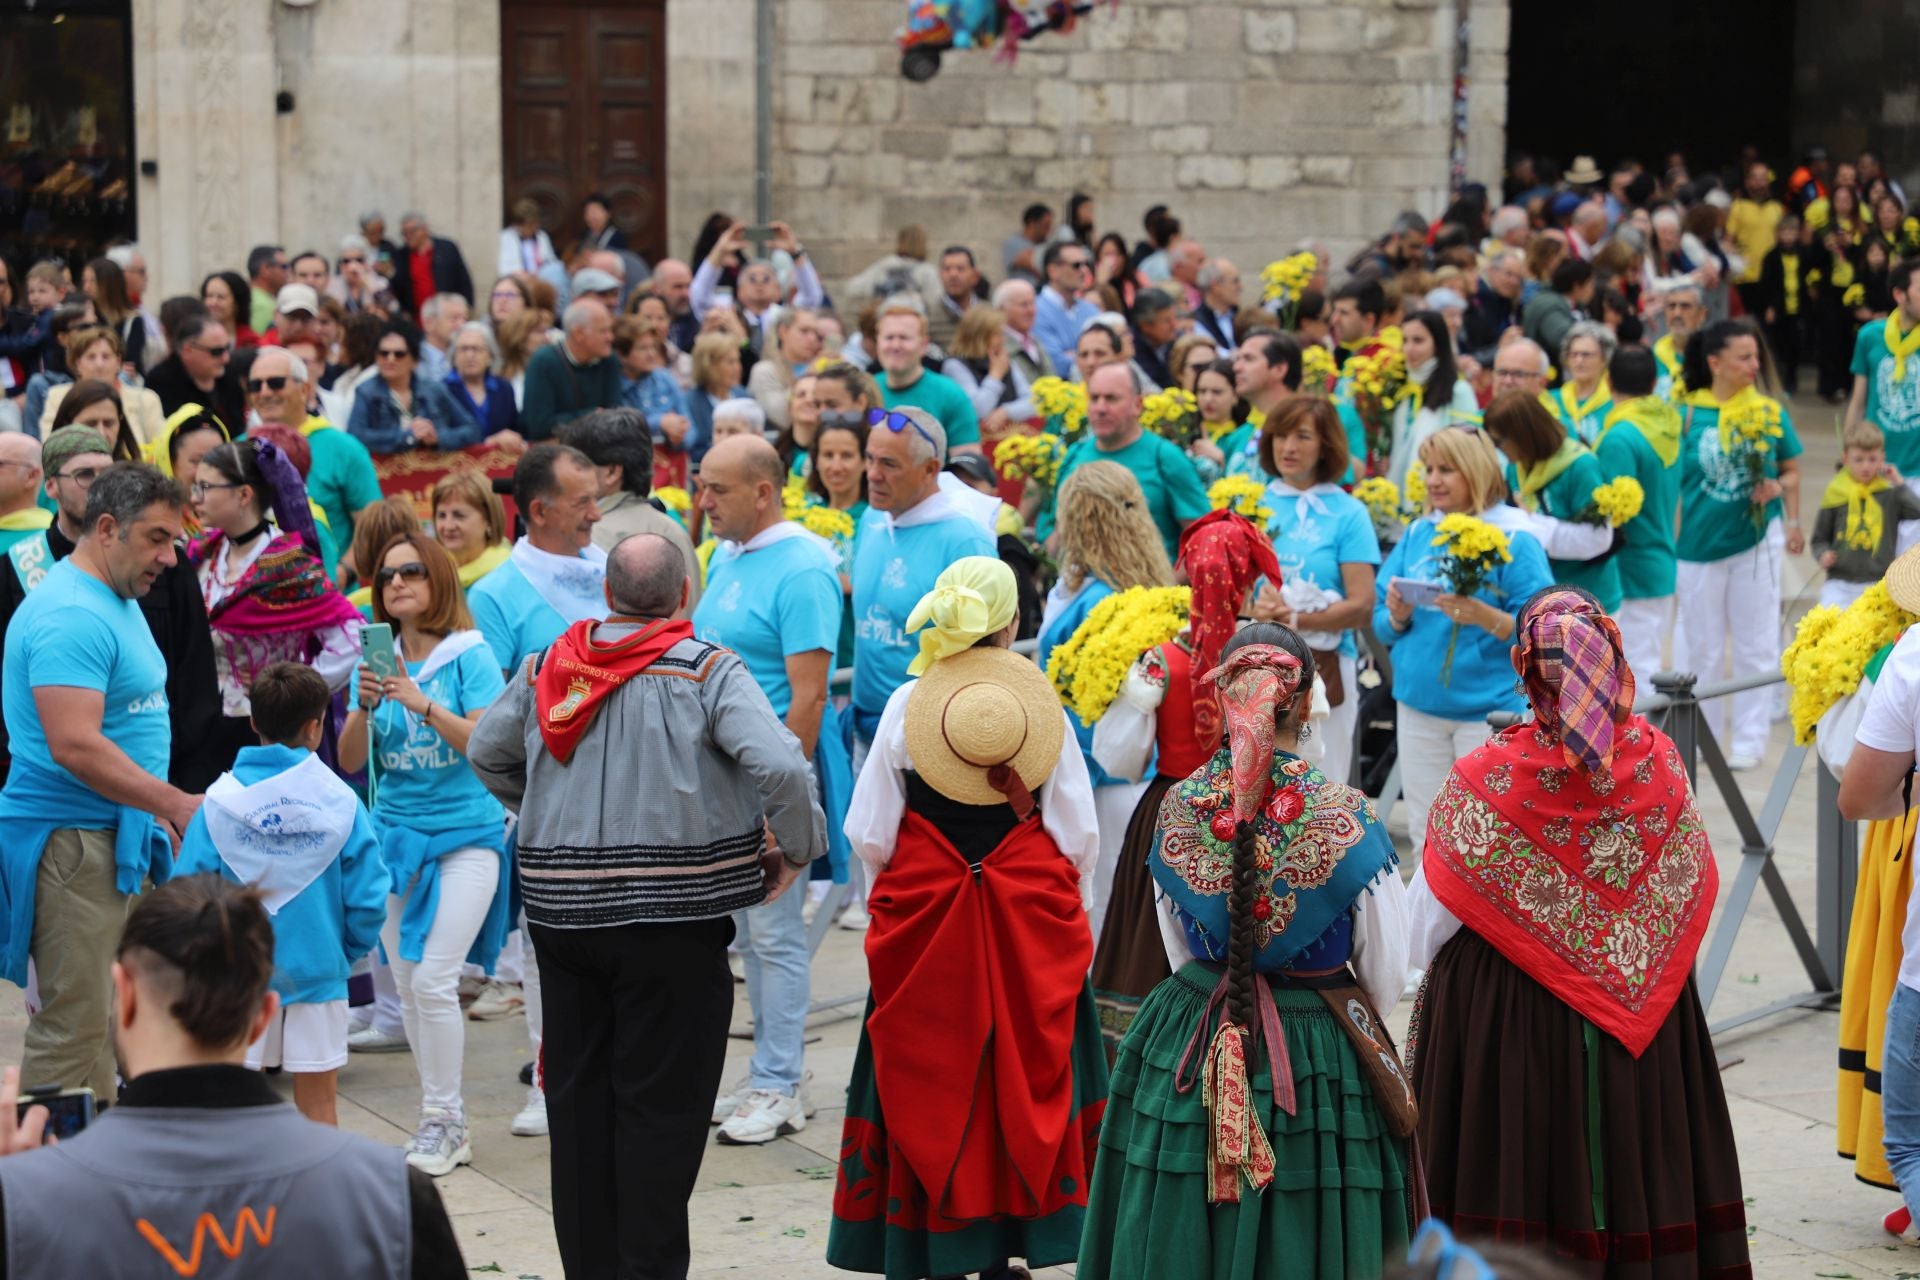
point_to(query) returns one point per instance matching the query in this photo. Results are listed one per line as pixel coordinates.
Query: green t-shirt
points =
(1646, 557)
(1240, 446)
(1565, 497)
(1892, 406)
(342, 480)
(1175, 497)
(1716, 515)
(942, 397)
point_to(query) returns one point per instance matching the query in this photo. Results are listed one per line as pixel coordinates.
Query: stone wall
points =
(1857, 82)
(1262, 124)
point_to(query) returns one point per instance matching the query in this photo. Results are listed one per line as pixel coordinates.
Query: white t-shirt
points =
(1892, 723)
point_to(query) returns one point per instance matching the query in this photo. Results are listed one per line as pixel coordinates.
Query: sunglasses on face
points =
(896, 422)
(276, 383)
(411, 571)
(392, 355)
(217, 353)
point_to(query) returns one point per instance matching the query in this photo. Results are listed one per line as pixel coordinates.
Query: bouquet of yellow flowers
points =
(1172, 413)
(1377, 380)
(1090, 666)
(1830, 651)
(1470, 551)
(1063, 404)
(1033, 458)
(794, 497)
(1416, 491)
(1614, 503)
(1284, 281)
(1747, 436)
(1242, 496)
(827, 522)
(1318, 372)
(1382, 499)
(677, 501)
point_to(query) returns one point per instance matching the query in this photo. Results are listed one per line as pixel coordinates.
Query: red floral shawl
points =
(1597, 884)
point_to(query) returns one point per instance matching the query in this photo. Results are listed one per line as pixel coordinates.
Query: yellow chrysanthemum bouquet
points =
(1242, 496)
(1172, 413)
(1471, 551)
(1090, 666)
(1831, 650)
(1381, 497)
(1377, 381)
(1614, 503)
(1318, 372)
(1747, 436)
(677, 501)
(1064, 405)
(1034, 459)
(1284, 281)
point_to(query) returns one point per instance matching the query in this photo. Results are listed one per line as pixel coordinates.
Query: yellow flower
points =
(1619, 500)
(831, 524)
(1030, 457)
(1090, 666)
(1380, 495)
(1242, 496)
(1416, 490)
(704, 554)
(677, 501)
(1830, 652)
(1317, 368)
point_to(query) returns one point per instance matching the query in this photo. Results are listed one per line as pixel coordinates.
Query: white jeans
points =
(1733, 605)
(1841, 594)
(1644, 625)
(1336, 732)
(1428, 746)
(1114, 807)
(430, 987)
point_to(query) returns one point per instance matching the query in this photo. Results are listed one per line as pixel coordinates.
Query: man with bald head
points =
(658, 795)
(20, 512)
(1175, 496)
(773, 597)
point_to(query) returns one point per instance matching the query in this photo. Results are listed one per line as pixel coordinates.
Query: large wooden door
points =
(584, 87)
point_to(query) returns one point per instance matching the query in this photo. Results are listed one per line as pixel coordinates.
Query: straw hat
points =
(1903, 581)
(1584, 172)
(978, 709)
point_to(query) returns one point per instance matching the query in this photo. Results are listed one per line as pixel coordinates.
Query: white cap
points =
(295, 298)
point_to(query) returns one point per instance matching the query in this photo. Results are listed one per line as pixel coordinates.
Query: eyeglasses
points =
(896, 421)
(1514, 375)
(506, 293)
(353, 258)
(385, 354)
(276, 383)
(1076, 264)
(218, 353)
(82, 476)
(200, 488)
(411, 571)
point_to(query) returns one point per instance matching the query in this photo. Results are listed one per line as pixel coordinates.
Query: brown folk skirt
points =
(1539, 1129)
(1130, 960)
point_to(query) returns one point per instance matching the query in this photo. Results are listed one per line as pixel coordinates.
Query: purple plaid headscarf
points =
(1576, 674)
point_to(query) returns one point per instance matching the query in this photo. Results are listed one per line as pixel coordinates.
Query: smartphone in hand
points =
(376, 651)
(68, 1110)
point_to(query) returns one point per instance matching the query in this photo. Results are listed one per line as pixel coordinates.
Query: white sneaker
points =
(370, 1039)
(855, 917)
(1743, 764)
(763, 1116)
(729, 1102)
(440, 1144)
(497, 1001)
(531, 1120)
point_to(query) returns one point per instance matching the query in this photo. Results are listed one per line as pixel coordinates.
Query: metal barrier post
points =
(1836, 874)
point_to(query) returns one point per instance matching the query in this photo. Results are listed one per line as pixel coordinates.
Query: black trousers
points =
(634, 1042)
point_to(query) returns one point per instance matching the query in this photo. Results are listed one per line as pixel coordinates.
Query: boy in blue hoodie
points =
(282, 822)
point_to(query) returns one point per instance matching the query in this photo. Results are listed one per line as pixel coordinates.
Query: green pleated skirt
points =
(1337, 1207)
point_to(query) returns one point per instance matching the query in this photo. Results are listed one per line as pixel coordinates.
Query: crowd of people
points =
(1133, 929)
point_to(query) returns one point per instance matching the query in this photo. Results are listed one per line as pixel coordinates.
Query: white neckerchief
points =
(281, 833)
(1311, 497)
(573, 586)
(983, 507)
(938, 505)
(773, 535)
(450, 647)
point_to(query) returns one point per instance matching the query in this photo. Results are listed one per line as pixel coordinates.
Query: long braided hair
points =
(1241, 893)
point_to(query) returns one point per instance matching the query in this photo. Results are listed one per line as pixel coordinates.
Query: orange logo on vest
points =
(204, 1225)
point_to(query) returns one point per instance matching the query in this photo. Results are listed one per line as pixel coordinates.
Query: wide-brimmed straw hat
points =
(1903, 581)
(975, 710)
(1584, 172)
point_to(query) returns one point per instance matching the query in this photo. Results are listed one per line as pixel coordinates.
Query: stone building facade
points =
(1263, 123)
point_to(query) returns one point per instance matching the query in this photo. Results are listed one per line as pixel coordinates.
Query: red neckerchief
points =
(1597, 884)
(579, 673)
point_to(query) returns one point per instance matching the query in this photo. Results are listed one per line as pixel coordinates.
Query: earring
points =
(1306, 731)
(1520, 684)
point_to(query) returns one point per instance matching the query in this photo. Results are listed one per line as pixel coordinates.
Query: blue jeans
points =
(779, 968)
(1900, 1093)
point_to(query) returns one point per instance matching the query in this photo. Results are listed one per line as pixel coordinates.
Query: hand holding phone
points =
(1416, 592)
(376, 651)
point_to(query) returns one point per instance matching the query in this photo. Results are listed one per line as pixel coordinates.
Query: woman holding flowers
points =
(1450, 668)
(1324, 541)
(1108, 543)
(1553, 477)
(1563, 897)
(1738, 480)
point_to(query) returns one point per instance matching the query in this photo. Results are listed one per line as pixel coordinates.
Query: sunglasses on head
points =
(275, 383)
(896, 421)
(412, 571)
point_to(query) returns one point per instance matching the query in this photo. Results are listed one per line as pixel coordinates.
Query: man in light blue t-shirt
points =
(1886, 383)
(773, 597)
(89, 813)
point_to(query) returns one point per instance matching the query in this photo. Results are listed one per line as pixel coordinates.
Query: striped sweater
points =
(661, 813)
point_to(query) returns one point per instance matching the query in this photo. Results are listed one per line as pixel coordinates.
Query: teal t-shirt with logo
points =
(1716, 511)
(1892, 406)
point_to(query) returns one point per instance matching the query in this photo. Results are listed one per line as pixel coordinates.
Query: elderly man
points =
(1026, 358)
(672, 282)
(1060, 312)
(133, 265)
(1587, 231)
(200, 372)
(427, 265)
(385, 253)
(906, 382)
(1685, 310)
(1219, 284)
(959, 289)
(1175, 496)
(773, 597)
(342, 479)
(1522, 364)
(296, 308)
(440, 319)
(176, 613)
(1185, 261)
(1510, 228)
(1155, 325)
(21, 515)
(566, 379)
(597, 283)
(658, 795)
(912, 530)
(266, 275)
(1495, 305)
(87, 806)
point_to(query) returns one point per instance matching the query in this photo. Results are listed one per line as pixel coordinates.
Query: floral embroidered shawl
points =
(1597, 884)
(283, 593)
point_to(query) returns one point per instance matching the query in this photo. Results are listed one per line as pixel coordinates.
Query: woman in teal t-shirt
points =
(1552, 477)
(1739, 508)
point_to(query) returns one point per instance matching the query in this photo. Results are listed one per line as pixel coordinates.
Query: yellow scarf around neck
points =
(1866, 521)
(1577, 411)
(1654, 419)
(1537, 476)
(1729, 409)
(1900, 345)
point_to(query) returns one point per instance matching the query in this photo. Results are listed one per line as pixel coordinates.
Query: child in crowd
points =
(1784, 295)
(282, 822)
(1857, 533)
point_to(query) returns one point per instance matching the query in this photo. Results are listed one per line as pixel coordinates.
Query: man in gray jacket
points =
(658, 793)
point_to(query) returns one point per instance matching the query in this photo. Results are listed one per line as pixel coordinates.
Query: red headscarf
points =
(1224, 554)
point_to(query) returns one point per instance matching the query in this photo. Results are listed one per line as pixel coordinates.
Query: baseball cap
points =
(592, 280)
(294, 298)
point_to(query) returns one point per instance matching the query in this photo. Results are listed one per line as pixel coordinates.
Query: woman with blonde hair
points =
(796, 344)
(1108, 544)
(519, 336)
(470, 523)
(716, 377)
(1450, 668)
(977, 360)
(94, 351)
